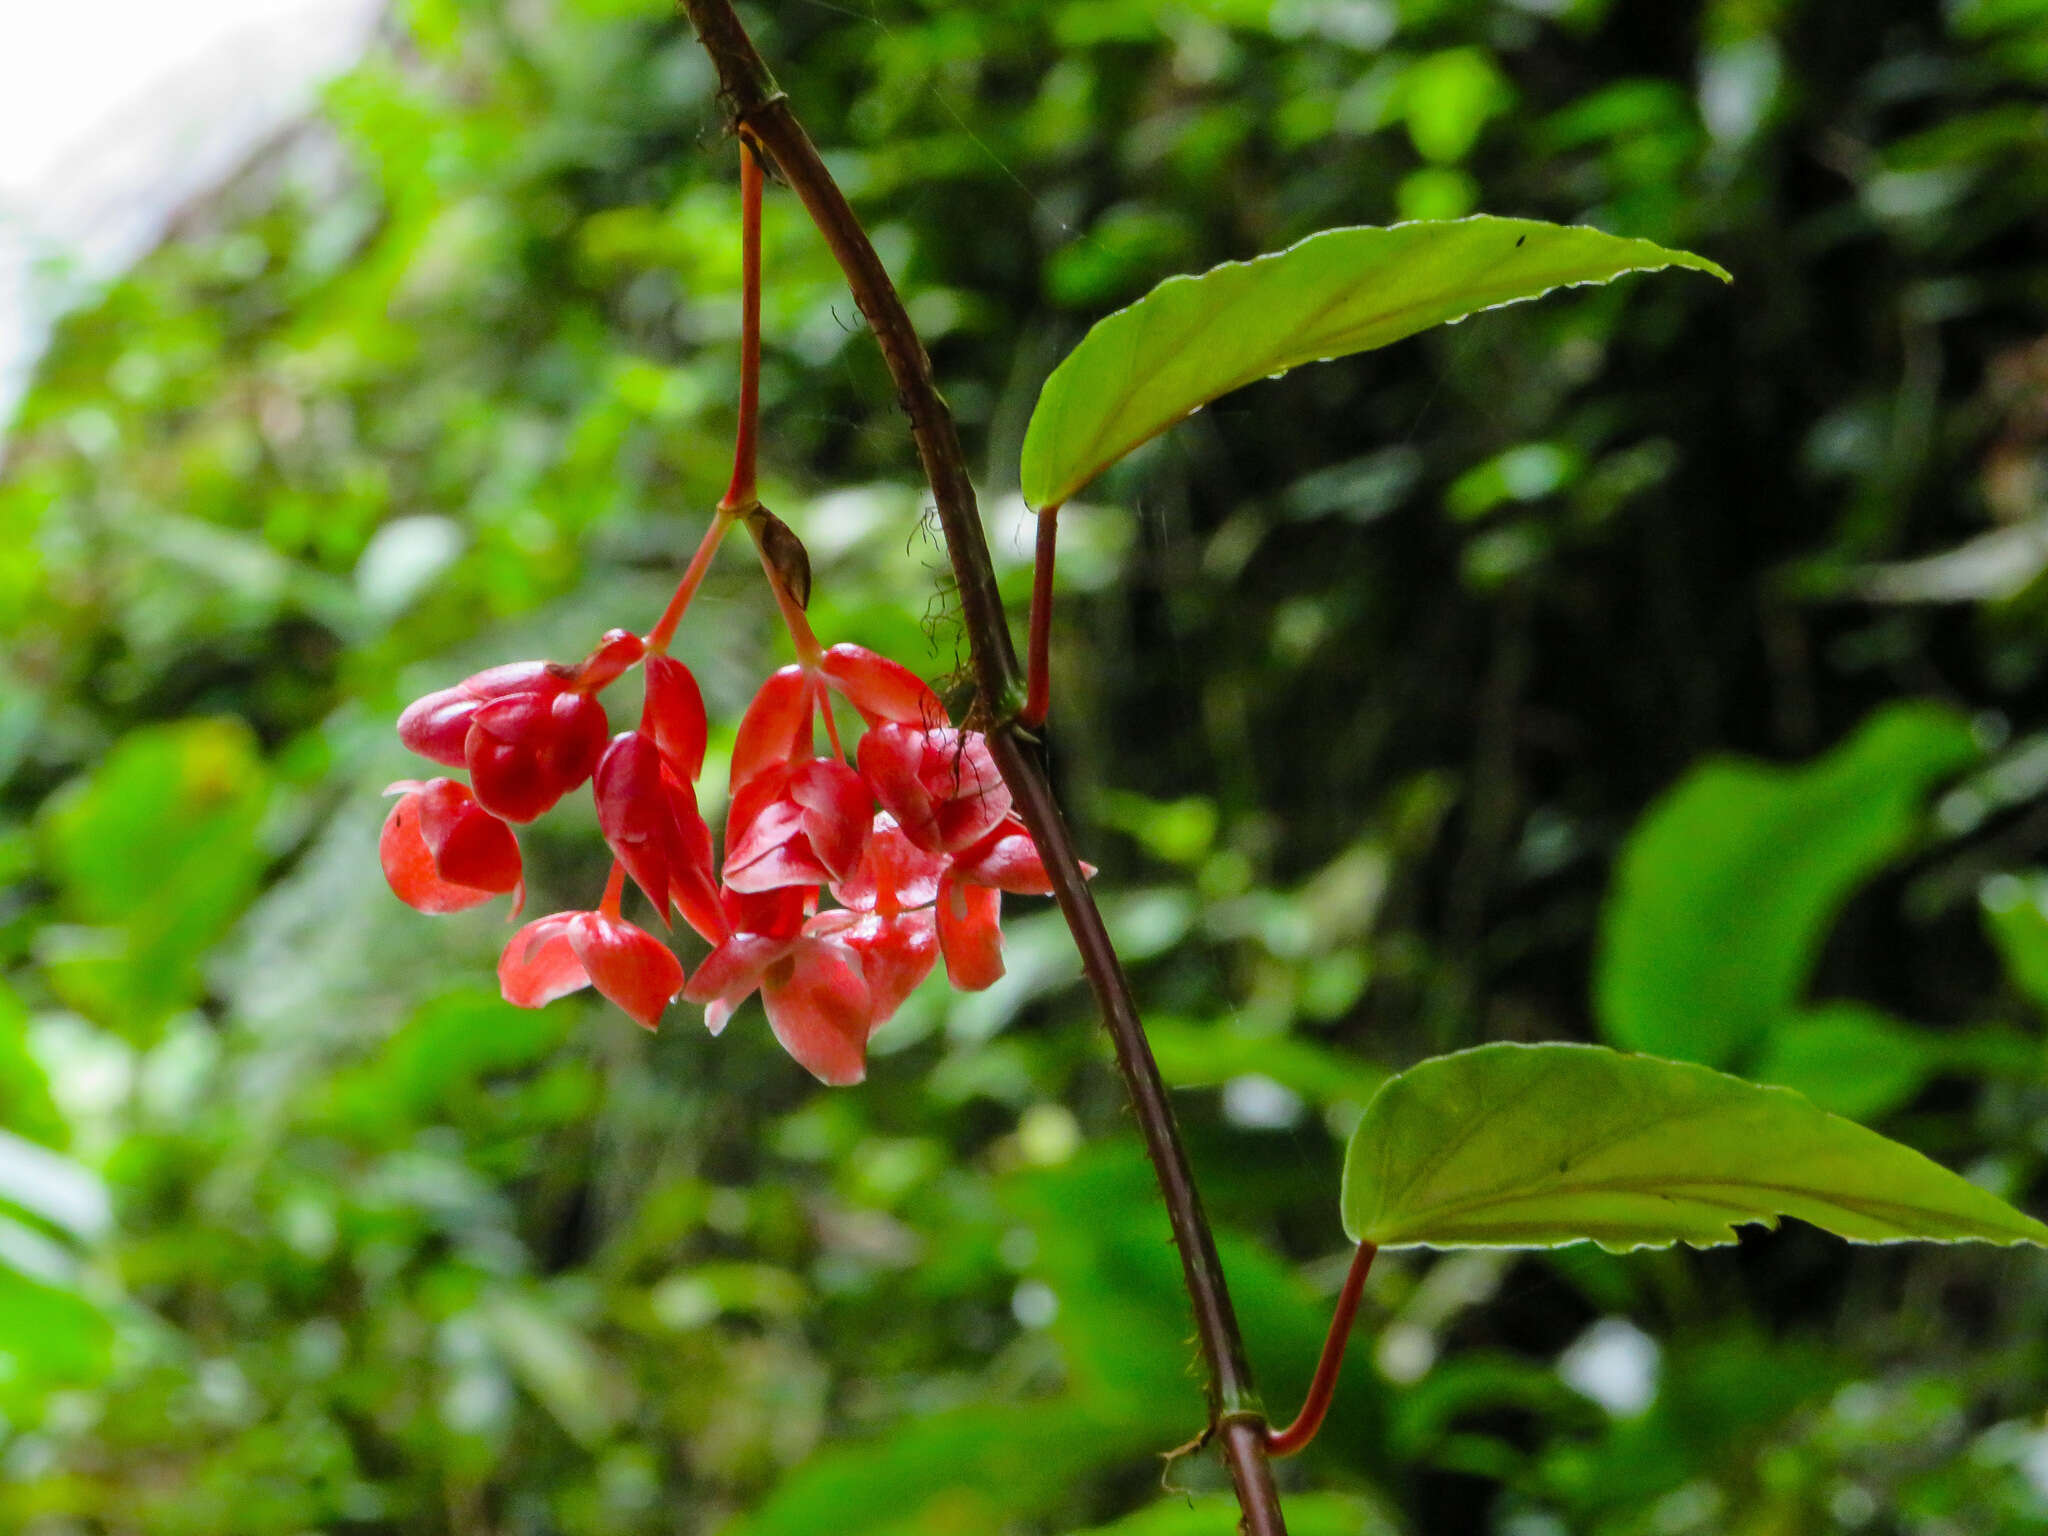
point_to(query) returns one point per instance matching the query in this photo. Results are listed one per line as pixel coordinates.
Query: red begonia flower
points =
(897, 951)
(801, 823)
(894, 874)
(557, 954)
(940, 784)
(813, 989)
(437, 724)
(442, 852)
(527, 750)
(529, 731)
(649, 817)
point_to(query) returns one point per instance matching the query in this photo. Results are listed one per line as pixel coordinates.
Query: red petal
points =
(837, 809)
(731, 972)
(675, 713)
(881, 689)
(819, 1007)
(941, 785)
(409, 865)
(961, 775)
(890, 756)
(971, 935)
(576, 740)
(773, 852)
(627, 964)
(893, 875)
(528, 750)
(692, 880)
(539, 964)
(896, 953)
(776, 726)
(634, 814)
(508, 780)
(787, 818)
(1008, 860)
(435, 725)
(618, 650)
(470, 846)
(778, 913)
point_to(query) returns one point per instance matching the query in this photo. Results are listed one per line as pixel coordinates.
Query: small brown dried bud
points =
(785, 552)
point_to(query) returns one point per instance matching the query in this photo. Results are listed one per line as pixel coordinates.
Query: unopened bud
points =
(785, 552)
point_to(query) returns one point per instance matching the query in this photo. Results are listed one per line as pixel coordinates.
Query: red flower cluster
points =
(914, 839)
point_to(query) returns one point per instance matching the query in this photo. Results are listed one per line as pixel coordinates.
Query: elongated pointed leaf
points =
(1535, 1146)
(1142, 369)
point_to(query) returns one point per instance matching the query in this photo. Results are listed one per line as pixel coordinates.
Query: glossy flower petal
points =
(802, 823)
(893, 875)
(675, 714)
(539, 964)
(627, 964)
(442, 852)
(881, 689)
(1008, 860)
(555, 955)
(527, 750)
(731, 973)
(693, 881)
(941, 785)
(618, 650)
(638, 810)
(776, 726)
(820, 1009)
(970, 934)
(437, 724)
(896, 951)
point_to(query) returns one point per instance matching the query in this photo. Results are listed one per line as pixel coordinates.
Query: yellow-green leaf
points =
(1535, 1146)
(1142, 369)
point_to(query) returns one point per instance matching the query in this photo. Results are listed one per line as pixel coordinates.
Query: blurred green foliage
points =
(1364, 677)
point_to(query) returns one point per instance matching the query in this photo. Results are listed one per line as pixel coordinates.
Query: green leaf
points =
(1535, 1146)
(158, 852)
(2016, 918)
(1850, 1058)
(1727, 888)
(1142, 369)
(49, 1336)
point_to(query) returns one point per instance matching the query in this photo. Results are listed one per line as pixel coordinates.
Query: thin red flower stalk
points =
(665, 629)
(1285, 1442)
(739, 496)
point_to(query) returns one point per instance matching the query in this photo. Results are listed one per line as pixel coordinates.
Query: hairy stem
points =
(762, 114)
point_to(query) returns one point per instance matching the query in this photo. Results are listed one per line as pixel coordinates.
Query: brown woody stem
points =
(762, 114)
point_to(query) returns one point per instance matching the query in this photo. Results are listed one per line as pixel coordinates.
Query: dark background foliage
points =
(1367, 678)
